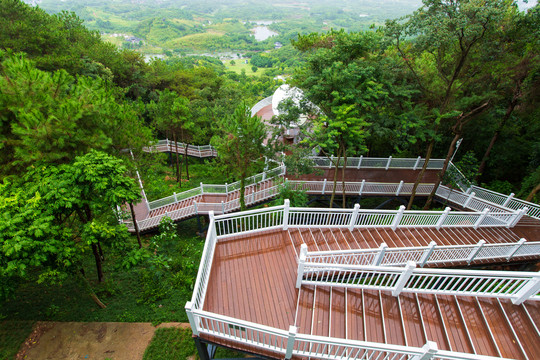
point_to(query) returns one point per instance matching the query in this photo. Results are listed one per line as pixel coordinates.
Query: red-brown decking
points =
(253, 279)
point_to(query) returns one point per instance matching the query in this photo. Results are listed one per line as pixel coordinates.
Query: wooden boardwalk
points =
(253, 279)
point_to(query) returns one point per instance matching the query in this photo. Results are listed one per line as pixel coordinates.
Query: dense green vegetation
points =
(71, 103)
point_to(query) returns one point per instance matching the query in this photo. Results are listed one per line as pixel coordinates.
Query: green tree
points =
(53, 117)
(52, 214)
(445, 57)
(240, 144)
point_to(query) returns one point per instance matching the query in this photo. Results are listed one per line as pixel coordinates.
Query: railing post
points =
(222, 207)
(264, 176)
(175, 198)
(417, 162)
(301, 264)
(508, 199)
(466, 203)
(291, 339)
(519, 244)
(443, 217)
(427, 253)
(519, 215)
(362, 187)
(379, 257)
(468, 190)
(400, 186)
(286, 207)
(331, 161)
(226, 188)
(354, 216)
(529, 289)
(191, 318)
(481, 218)
(324, 186)
(429, 350)
(398, 217)
(388, 163)
(253, 196)
(202, 188)
(360, 161)
(403, 278)
(195, 207)
(475, 252)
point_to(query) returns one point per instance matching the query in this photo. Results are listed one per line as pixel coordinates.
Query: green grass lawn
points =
(240, 65)
(12, 335)
(177, 344)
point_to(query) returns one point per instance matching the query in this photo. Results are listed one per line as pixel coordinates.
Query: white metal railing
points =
(290, 343)
(260, 105)
(200, 151)
(457, 176)
(217, 188)
(285, 216)
(516, 286)
(360, 188)
(507, 201)
(423, 255)
(379, 163)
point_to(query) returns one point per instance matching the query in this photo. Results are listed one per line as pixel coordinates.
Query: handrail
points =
(516, 286)
(425, 255)
(192, 150)
(507, 201)
(384, 163)
(291, 343)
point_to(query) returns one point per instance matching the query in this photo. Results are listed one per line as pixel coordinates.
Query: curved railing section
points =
(200, 151)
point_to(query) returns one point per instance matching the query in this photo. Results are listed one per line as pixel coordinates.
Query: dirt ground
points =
(92, 341)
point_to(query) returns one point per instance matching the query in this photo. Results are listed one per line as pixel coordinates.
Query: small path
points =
(92, 341)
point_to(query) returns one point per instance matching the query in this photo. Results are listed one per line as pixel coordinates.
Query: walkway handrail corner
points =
(530, 288)
(189, 311)
(291, 339)
(354, 216)
(518, 246)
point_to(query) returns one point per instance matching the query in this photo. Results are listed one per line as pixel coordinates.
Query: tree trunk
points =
(98, 262)
(421, 174)
(90, 290)
(178, 170)
(507, 115)
(443, 170)
(242, 192)
(186, 160)
(336, 165)
(344, 203)
(533, 192)
(135, 225)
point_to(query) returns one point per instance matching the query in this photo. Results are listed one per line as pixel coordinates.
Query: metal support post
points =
(475, 252)
(508, 199)
(427, 253)
(513, 252)
(404, 278)
(290, 342)
(354, 216)
(202, 188)
(379, 257)
(529, 289)
(466, 203)
(398, 217)
(429, 350)
(362, 187)
(324, 186)
(443, 217)
(175, 198)
(417, 162)
(400, 186)
(286, 206)
(481, 218)
(360, 161)
(222, 207)
(388, 163)
(301, 264)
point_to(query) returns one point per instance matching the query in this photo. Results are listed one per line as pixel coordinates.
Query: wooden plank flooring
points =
(253, 279)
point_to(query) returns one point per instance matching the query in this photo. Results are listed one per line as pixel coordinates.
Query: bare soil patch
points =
(92, 341)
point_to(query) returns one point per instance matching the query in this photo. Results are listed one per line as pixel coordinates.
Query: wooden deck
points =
(253, 279)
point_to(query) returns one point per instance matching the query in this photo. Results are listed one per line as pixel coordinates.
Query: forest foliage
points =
(71, 104)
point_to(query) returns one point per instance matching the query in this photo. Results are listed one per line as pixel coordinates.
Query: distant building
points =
(278, 45)
(133, 39)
